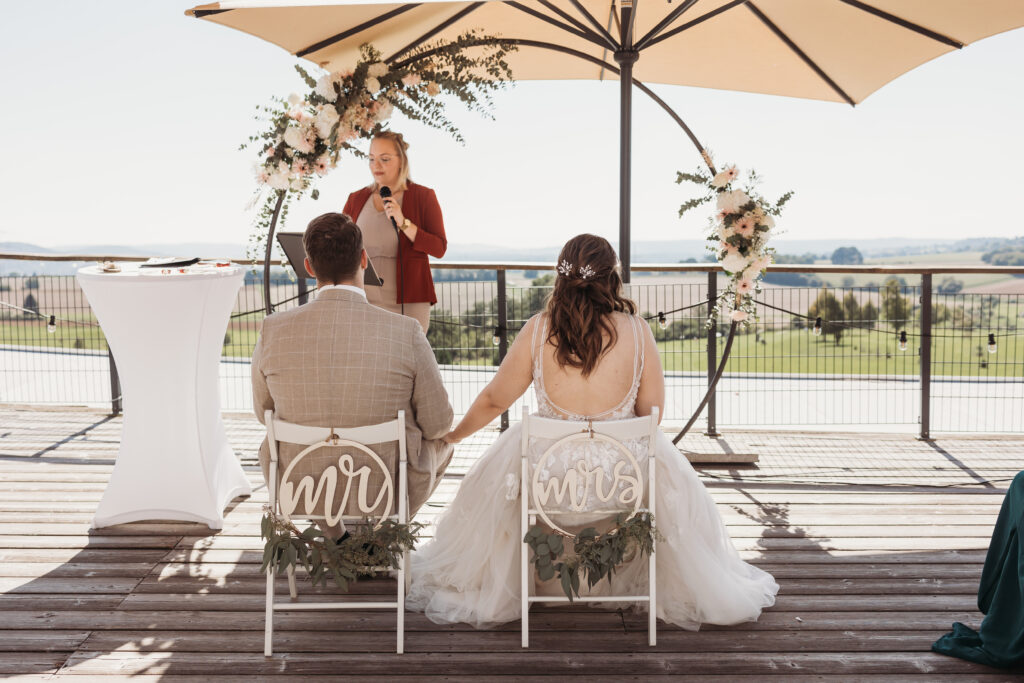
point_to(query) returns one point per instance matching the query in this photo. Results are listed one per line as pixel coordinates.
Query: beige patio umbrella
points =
(834, 50)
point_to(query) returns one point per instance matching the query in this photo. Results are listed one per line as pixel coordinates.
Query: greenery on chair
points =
(595, 555)
(367, 548)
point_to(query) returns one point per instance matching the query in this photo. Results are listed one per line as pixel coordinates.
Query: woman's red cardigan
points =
(420, 206)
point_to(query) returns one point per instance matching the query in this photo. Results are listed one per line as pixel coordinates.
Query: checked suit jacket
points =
(339, 361)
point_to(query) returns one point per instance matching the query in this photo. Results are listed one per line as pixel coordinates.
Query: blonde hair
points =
(400, 146)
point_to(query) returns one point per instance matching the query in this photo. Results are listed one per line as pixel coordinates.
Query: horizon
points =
(151, 147)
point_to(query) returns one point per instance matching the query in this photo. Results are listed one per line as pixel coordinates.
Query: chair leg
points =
(525, 596)
(292, 588)
(403, 573)
(268, 628)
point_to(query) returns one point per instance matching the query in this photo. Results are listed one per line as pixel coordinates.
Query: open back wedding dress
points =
(469, 572)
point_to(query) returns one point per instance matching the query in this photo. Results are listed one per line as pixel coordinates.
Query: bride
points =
(589, 357)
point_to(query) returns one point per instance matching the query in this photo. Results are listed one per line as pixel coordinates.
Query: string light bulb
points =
(51, 325)
(903, 340)
(991, 342)
(817, 328)
(662, 320)
(496, 339)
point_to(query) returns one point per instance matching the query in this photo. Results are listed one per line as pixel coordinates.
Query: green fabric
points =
(1000, 640)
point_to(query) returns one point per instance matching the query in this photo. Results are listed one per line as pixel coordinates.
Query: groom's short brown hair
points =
(333, 245)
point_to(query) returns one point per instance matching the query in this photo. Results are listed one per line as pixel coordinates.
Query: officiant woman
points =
(399, 255)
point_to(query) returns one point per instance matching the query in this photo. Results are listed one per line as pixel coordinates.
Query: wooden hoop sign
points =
(592, 477)
(327, 485)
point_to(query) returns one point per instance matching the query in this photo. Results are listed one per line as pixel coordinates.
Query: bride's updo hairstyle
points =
(588, 289)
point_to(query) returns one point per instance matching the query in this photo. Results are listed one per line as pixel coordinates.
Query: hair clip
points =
(586, 271)
(565, 268)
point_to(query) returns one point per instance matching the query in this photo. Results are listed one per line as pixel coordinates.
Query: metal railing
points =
(780, 373)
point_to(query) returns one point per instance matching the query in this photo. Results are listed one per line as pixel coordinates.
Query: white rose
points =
(325, 88)
(377, 69)
(294, 99)
(768, 222)
(278, 181)
(372, 84)
(325, 120)
(731, 202)
(295, 137)
(734, 262)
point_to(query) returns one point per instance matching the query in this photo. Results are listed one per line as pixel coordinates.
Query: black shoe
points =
(344, 537)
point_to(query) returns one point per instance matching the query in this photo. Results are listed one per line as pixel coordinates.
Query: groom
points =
(341, 362)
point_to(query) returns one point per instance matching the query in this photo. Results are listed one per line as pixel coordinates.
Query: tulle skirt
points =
(469, 572)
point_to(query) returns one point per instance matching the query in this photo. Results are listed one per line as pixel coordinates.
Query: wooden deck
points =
(877, 541)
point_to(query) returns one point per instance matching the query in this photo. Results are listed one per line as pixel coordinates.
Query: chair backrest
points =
(588, 467)
(351, 472)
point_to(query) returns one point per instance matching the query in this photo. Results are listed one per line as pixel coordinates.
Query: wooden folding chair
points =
(286, 503)
(535, 494)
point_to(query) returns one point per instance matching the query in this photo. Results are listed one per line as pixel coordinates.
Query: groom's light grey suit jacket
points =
(340, 362)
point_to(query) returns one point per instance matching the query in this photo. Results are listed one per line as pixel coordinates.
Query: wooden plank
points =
(813, 603)
(110, 543)
(864, 571)
(41, 641)
(37, 601)
(81, 555)
(35, 663)
(75, 569)
(508, 641)
(523, 663)
(10, 585)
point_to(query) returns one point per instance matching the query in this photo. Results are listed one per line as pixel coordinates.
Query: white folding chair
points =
(534, 495)
(293, 495)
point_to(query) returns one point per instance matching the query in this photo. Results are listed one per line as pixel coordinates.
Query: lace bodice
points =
(623, 409)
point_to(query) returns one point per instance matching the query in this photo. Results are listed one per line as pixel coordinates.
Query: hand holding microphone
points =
(391, 207)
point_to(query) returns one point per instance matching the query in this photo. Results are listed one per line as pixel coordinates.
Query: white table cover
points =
(166, 332)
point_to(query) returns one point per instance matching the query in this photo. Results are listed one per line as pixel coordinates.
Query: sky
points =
(122, 122)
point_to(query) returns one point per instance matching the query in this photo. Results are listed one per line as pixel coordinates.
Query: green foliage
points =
(950, 285)
(805, 258)
(365, 550)
(895, 307)
(847, 256)
(828, 308)
(595, 555)
(32, 305)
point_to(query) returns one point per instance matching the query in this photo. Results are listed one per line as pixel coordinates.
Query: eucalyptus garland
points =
(595, 555)
(305, 135)
(366, 548)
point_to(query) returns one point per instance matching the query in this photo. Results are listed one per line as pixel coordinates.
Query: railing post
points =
(925, 352)
(303, 290)
(115, 385)
(712, 351)
(502, 331)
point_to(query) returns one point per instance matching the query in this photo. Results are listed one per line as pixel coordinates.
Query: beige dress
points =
(381, 243)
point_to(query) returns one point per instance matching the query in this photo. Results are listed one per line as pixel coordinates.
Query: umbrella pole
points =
(625, 59)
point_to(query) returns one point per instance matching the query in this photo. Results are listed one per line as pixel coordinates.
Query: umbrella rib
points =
(565, 27)
(899, 21)
(800, 53)
(356, 29)
(690, 24)
(596, 37)
(434, 31)
(595, 23)
(582, 55)
(672, 16)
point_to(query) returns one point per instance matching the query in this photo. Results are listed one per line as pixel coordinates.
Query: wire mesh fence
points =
(817, 356)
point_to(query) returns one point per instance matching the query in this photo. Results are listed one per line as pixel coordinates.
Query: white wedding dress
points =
(469, 572)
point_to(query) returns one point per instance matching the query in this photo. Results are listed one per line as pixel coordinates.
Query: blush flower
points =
(730, 202)
(744, 286)
(724, 177)
(433, 89)
(377, 69)
(738, 316)
(744, 226)
(410, 80)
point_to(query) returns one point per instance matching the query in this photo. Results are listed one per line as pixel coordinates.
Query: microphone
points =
(385, 193)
